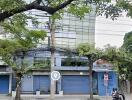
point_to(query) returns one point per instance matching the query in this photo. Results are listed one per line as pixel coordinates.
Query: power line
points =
(111, 30)
(98, 21)
(114, 20)
(108, 34)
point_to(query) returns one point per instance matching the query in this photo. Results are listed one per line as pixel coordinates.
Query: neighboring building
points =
(5, 78)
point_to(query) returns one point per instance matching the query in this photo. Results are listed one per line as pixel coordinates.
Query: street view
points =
(65, 49)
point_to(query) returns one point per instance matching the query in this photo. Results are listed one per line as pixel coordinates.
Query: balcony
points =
(71, 63)
(71, 68)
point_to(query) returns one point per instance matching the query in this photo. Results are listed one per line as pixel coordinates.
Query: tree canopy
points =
(14, 48)
(121, 60)
(127, 43)
(9, 8)
(20, 38)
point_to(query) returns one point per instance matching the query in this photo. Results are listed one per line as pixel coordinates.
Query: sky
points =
(111, 32)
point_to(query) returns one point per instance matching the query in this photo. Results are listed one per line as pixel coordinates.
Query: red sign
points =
(106, 78)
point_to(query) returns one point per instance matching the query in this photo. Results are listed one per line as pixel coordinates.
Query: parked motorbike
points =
(116, 95)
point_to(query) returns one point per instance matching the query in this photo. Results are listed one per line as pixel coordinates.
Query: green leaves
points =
(7, 49)
(89, 51)
(22, 39)
(6, 5)
(127, 44)
(79, 9)
(121, 59)
(17, 26)
(37, 34)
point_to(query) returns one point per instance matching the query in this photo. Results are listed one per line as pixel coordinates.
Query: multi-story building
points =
(70, 32)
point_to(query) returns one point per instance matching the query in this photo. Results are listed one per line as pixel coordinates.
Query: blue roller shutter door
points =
(25, 86)
(75, 84)
(41, 83)
(4, 84)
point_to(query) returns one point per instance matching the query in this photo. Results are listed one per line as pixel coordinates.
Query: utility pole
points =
(52, 47)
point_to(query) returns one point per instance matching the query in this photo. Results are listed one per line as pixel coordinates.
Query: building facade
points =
(70, 32)
(74, 76)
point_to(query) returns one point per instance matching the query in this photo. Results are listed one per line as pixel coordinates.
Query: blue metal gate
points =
(41, 83)
(4, 84)
(75, 84)
(112, 83)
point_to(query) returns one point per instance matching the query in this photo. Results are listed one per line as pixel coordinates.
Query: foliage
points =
(20, 32)
(89, 51)
(21, 38)
(121, 59)
(92, 54)
(127, 44)
(58, 7)
(69, 61)
(45, 63)
(6, 5)
(14, 49)
(7, 49)
(126, 67)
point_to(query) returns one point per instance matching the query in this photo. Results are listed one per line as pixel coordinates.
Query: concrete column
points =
(128, 86)
(58, 61)
(10, 83)
(60, 86)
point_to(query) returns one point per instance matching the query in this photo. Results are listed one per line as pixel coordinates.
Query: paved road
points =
(82, 97)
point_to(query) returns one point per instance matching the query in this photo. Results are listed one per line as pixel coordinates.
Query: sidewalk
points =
(127, 97)
(65, 97)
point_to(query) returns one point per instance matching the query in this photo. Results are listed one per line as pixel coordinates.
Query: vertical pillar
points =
(58, 61)
(128, 86)
(59, 86)
(10, 83)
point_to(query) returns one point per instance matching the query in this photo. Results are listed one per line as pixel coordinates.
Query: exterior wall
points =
(32, 83)
(62, 84)
(98, 81)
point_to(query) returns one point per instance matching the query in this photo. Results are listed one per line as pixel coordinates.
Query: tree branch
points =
(7, 14)
(63, 5)
(38, 1)
(34, 5)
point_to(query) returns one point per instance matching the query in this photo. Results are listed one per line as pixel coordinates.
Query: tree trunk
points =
(53, 85)
(18, 84)
(91, 81)
(131, 86)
